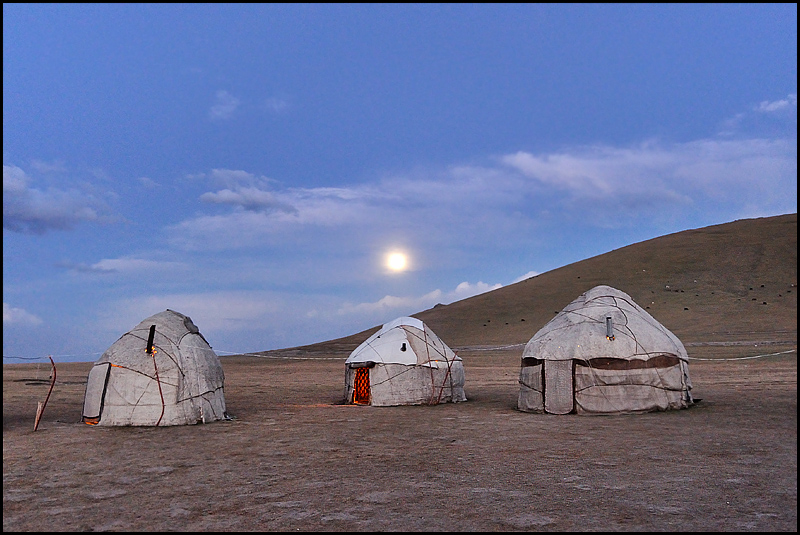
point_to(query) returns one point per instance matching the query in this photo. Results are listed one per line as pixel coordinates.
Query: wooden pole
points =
(41, 406)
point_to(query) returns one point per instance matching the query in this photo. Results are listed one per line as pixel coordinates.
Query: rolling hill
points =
(724, 283)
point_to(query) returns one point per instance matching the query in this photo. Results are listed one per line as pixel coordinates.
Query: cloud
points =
(391, 304)
(148, 182)
(462, 215)
(652, 176)
(29, 210)
(225, 106)
(466, 289)
(275, 105)
(263, 216)
(15, 181)
(240, 321)
(777, 105)
(231, 321)
(603, 186)
(18, 316)
(253, 199)
(224, 310)
(612, 175)
(127, 265)
(769, 119)
(397, 202)
(526, 276)
(46, 167)
(233, 179)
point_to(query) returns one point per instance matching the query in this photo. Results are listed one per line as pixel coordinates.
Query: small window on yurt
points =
(361, 387)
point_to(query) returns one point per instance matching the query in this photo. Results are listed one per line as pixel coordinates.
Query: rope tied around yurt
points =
(150, 350)
(430, 368)
(160, 391)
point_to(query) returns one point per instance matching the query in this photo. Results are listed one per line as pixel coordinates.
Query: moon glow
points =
(396, 261)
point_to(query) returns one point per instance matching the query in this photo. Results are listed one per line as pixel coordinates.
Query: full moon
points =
(396, 261)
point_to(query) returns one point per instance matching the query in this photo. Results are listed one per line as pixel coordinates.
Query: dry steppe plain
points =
(295, 458)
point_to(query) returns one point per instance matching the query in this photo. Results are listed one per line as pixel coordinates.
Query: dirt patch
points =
(295, 458)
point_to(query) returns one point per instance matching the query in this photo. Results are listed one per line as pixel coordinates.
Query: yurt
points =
(604, 354)
(404, 363)
(162, 372)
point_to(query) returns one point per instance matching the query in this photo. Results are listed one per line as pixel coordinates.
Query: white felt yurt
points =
(162, 372)
(604, 354)
(404, 363)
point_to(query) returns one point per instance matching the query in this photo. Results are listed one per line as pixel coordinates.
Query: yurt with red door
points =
(404, 363)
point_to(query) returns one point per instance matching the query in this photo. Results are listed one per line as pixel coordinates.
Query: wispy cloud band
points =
(603, 182)
(30, 210)
(18, 316)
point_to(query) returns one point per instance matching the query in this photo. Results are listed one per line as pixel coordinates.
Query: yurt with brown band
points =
(604, 354)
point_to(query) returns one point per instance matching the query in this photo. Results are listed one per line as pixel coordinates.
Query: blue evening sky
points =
(252, 165)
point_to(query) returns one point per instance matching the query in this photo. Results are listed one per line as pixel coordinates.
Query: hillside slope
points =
(728, 282)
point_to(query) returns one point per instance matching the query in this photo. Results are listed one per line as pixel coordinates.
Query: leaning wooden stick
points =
(40, 408)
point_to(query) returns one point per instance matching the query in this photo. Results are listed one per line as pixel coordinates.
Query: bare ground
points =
(294, 458)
